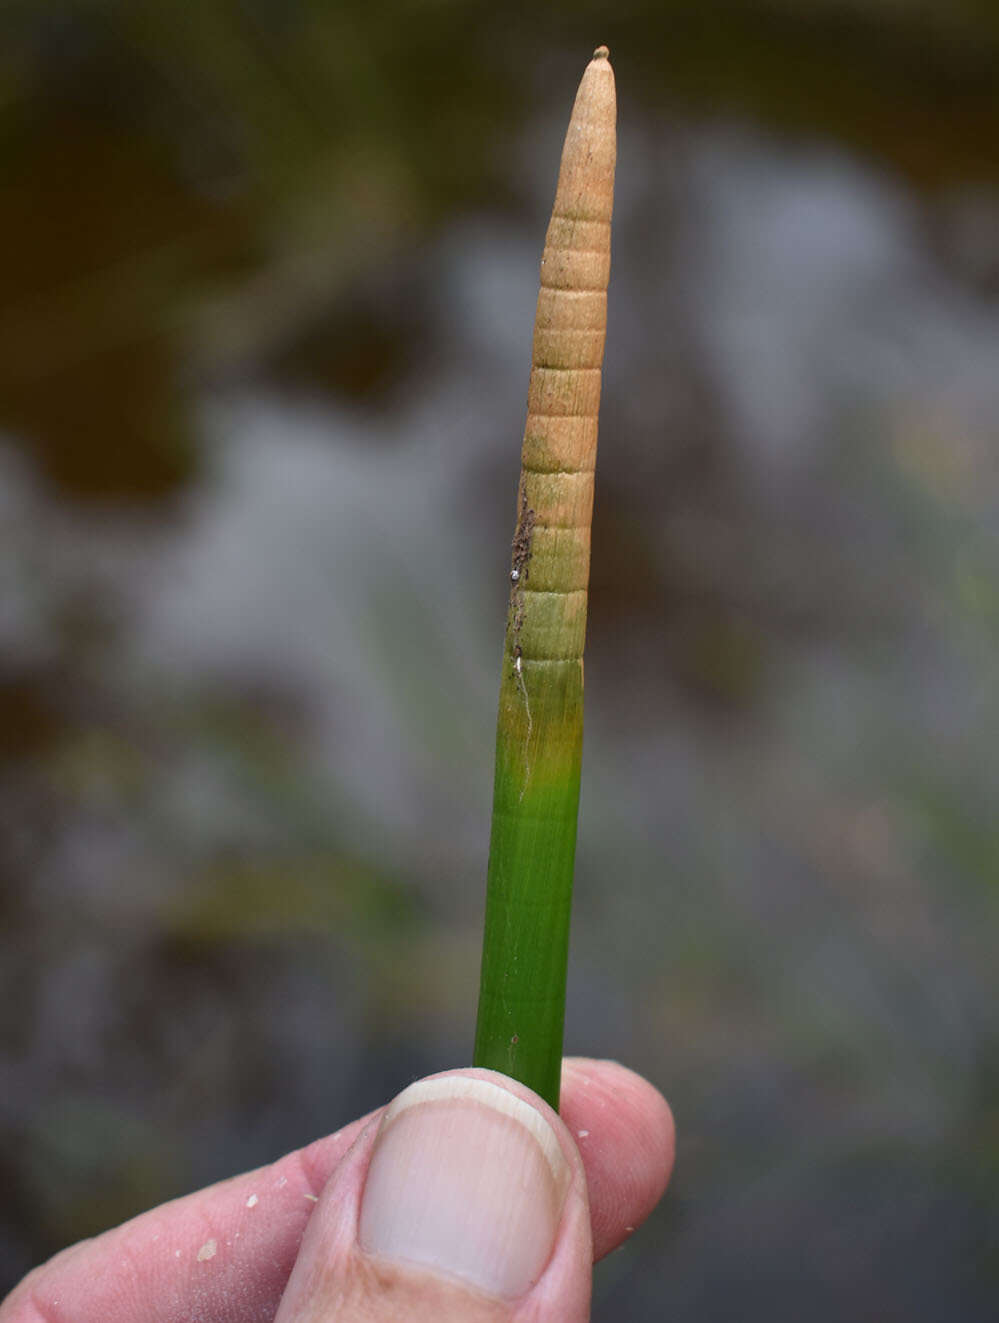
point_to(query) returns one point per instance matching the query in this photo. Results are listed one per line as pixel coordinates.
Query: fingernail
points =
(468, 1180)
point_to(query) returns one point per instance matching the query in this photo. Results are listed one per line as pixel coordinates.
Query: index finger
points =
(224, 1253)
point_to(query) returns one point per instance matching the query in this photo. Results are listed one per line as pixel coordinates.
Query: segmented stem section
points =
(540, 725)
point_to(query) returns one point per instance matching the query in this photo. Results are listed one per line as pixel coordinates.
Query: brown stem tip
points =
(601, 53)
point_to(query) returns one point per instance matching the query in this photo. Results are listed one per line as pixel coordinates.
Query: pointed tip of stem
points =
(601, 53)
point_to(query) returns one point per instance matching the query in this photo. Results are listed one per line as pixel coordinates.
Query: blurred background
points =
(269, 278)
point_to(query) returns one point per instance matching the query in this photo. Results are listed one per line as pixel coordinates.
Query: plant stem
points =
(539, 733)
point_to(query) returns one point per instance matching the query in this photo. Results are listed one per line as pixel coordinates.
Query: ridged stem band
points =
(540, 724)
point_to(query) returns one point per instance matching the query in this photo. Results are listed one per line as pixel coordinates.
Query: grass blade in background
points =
(540, 726)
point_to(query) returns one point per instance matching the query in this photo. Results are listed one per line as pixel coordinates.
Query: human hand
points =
(467, 1198)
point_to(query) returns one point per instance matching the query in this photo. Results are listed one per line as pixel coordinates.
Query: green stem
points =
(539, 734)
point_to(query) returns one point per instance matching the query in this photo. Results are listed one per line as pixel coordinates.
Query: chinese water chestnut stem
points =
(539, 735)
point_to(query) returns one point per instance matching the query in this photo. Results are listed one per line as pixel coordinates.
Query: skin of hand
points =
(467, 1198)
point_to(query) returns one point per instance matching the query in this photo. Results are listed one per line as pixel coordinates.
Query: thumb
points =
(465, 1200)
